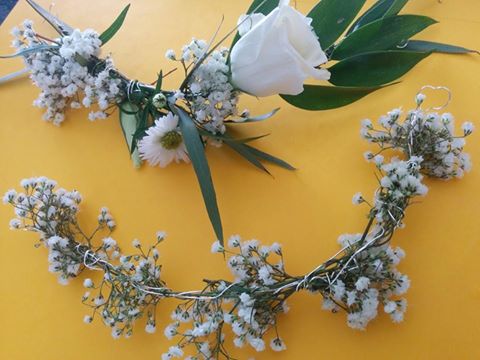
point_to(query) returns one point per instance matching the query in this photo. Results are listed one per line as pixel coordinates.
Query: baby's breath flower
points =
(216, 247)
(357, 199)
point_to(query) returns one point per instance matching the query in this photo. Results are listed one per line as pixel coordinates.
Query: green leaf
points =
(375, 68)
(243, 151)
(61, 27)
(264, 7)
(428, 46)
(196, 152)
(158, 85)
(142, 124)
(117, 24)
(379, 10)
(382, 34)
(254, 118)
(129, 124)
(29, 50)
(395, 7)
(270, 158)
(127, 109)
(332, 17)
(319, 97)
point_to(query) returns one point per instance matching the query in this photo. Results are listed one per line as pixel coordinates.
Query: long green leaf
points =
(129, 124)
(427, 46)
(29, 50)
(243, 151)
(61, 27)
(395, 8)
(142, 125)
(196, 152)
(379, 10)
(332, 17)
(382, 34)
(117, 24)
(270, 158)
(320, 97)
(264, 7)
(375, 68)
(158, 85)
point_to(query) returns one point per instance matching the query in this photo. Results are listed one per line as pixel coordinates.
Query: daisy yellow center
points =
(171, 140)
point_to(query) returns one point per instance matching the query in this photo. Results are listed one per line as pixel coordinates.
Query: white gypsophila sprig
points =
(248, 305)
(428, 135)
(66, 74)
(210, 95)
(52, 213)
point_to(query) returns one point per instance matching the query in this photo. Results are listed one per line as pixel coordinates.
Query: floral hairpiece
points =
(361, 278)
(275, 50)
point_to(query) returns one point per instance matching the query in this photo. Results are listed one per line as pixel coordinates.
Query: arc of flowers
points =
(359, 279)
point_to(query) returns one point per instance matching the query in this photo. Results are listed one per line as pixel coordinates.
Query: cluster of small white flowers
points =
(252, 313)
(45, 210)
(63, 259)
(124, 278)
(64, 70)
(373, 281)
(211, 96)
(402, 180)
(42, 208)
(424, 134)
(119, 298)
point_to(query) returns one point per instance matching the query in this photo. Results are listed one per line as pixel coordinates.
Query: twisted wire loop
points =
(441, 88)
(414, 119)
(132, 88)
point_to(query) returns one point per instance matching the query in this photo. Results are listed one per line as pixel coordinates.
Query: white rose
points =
(276, 53)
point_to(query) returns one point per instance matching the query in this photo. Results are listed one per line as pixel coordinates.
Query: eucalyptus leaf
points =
(29, 50)
(330, 18)
(396, 7)
(196, 152)
(426, 46)
(129, 123)
(264, 7)
(320, 97)
(245, 152)
(270, 158)
(128, 108)
(158, 85)
(379, 10)
(61, 27)
(382, 34)
(117, 24)
(142, 124)
(227, 138)
(375, 68)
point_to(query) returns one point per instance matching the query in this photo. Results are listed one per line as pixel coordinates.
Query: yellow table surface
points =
(304, 210)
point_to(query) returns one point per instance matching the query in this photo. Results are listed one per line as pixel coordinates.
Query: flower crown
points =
(274, 51)
(359, 279)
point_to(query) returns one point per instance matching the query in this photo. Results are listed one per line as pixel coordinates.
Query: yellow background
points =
(305, 210)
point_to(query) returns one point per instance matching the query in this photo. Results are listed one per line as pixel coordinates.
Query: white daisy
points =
(163, 143)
